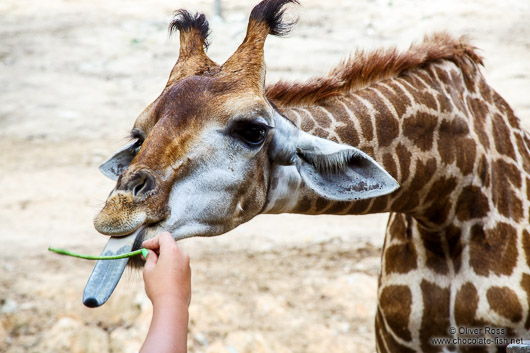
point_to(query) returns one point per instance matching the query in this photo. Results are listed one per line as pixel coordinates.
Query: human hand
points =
(167, 273)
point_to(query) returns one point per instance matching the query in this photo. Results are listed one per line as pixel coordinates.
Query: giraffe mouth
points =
(107, 273)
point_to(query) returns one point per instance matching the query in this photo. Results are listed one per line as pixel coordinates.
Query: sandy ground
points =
(73, 77)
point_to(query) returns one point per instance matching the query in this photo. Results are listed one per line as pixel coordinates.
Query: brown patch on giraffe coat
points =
(493, 250)
(501, 136)
(364, 118)
(471, 204)
(504, 196)
(419, 129)
(480, 122)
(358, 207)
(466, 305)
(453, 235)
(390, 164)
(306, 124)
(404, 157)
(506, 110)
(445, 103)
(379, 204)
(523, 152)
(434, 254)
(338, 207)
(504, 302)
(318, 131)
(424, 173)
(348, 135)
(321, 205)
(483, 171)
(398, 228)
(385, 339)
(321, 117)
(451, 139)
(525, 284)
(435, 319)
(439, 194)
(303, 206)
(395, 302)
(386, 126)
(466, 150)
(526, 246)
(401, 258)
(396, 96)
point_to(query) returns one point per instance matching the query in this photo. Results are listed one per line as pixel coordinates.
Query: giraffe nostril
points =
(141, 184)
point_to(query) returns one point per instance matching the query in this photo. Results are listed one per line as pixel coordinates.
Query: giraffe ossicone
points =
(419, 134)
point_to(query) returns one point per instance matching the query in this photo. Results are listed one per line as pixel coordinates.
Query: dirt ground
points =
(73, 77)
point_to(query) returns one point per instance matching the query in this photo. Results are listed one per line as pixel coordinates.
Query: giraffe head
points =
(205, 151)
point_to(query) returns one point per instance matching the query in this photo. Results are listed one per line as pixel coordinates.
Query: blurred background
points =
(74, 74)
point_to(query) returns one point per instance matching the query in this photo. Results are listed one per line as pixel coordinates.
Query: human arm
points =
(167, 277)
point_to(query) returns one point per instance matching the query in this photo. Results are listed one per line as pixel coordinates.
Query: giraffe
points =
(418, 134)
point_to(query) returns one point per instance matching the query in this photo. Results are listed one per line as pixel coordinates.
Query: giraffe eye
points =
(253, 134)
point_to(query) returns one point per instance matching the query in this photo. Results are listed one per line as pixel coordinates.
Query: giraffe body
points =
(457, 241)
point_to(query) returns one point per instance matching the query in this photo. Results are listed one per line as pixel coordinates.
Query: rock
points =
(72, 336)
(4, 336)
(246, 342)
(126, 340)
(355, 293)
(9, 307)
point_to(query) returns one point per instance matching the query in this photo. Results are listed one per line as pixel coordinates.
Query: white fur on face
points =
(206, 201)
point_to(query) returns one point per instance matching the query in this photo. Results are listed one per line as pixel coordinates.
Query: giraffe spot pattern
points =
(434, 255)
(526, 246)
(385, 339)
(504, 302)
(503, 194)
(501, 136)
(493, 250)
(435, 319)
(451, 138)
(386, 126)
(395, 301)
(390, 164)
(483, 171)
(397, 97)
(523, 152)
(466, 305)
(424, 173)
(401, 258)
(471, 204)
(419, 129)
(454, 242)
(404, 158)
(365, 120)
(438, 196)
(397, 229)
(525, 284)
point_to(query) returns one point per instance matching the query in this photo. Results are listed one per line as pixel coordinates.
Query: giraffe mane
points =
(365, 68)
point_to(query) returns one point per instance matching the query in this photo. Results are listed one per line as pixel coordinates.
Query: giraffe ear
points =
(119, 161)
(334, 171)
(340, 172)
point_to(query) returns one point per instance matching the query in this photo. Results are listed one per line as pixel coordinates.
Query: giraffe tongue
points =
(107, 273)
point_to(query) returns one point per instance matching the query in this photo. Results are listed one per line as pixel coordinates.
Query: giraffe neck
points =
(426, 128)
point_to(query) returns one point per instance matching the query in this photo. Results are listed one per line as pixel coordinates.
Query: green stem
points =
(142, 251)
